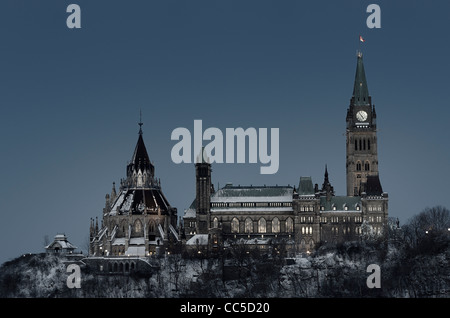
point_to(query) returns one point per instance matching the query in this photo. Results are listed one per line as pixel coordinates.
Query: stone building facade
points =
(297, 218)
(139, 221)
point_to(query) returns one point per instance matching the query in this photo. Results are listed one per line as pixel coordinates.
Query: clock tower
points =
(361, 135)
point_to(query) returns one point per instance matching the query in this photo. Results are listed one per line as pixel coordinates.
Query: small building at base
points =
(60, 246)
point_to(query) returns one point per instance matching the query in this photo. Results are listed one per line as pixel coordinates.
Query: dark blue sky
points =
(70, 99)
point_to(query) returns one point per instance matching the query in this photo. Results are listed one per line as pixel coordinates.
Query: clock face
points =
(361, 115)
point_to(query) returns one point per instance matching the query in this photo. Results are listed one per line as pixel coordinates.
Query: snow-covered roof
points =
(231, 193)
(137, 241)
(61, 241)
(252, 209)
(119, 241)
(200, 239)
(190, 213)
(137, 200)
(135, 251)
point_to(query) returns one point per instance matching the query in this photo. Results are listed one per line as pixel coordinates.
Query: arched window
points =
(137, 229)
(364, 144)
(311, 244)
(215, 223)
(151, 227)
(358, 166)
(360, 144)
(356, 144)
(234, 225)
(367, 166)
(368, 144)
(248, 225)
(276, 225)
(289, 225)
(262, 225)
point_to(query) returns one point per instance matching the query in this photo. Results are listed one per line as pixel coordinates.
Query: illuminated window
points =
(248, 225)
(234, 225)
(289, 225)
(262, 225)
(276, 225)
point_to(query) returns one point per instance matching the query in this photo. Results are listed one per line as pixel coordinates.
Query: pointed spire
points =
(360, 88)
(326, 186)
(326, 181)
(140, 160)
(202, 157)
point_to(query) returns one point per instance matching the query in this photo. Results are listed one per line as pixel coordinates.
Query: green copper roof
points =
(360, 89)
(305, 187)
(340, 202)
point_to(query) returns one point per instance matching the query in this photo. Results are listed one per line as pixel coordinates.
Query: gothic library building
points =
(139, 220)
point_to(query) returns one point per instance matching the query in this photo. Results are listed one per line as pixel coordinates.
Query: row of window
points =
(366, 166)
(307, 219)
(375, 219)
(308, 208)
(345, 207)
(307, 230)
(249, 204)
(345, 230)
(276, 222)
(262, 225)
(344, 219)
(362, 144)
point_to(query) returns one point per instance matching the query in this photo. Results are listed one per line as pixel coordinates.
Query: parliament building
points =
(139, 221)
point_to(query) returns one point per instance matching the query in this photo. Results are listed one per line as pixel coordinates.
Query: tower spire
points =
(360, 89)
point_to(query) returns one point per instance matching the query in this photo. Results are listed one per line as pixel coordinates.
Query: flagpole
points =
(359, 44)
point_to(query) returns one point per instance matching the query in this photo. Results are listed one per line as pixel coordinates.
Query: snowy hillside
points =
(331, 272)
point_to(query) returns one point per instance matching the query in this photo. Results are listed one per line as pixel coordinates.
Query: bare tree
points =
(46, 240)
(428, 230)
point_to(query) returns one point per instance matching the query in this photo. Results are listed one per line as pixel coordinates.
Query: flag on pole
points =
(361, 39)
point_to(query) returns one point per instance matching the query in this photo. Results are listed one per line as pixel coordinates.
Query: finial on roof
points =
(140, 122)
(202, 157)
